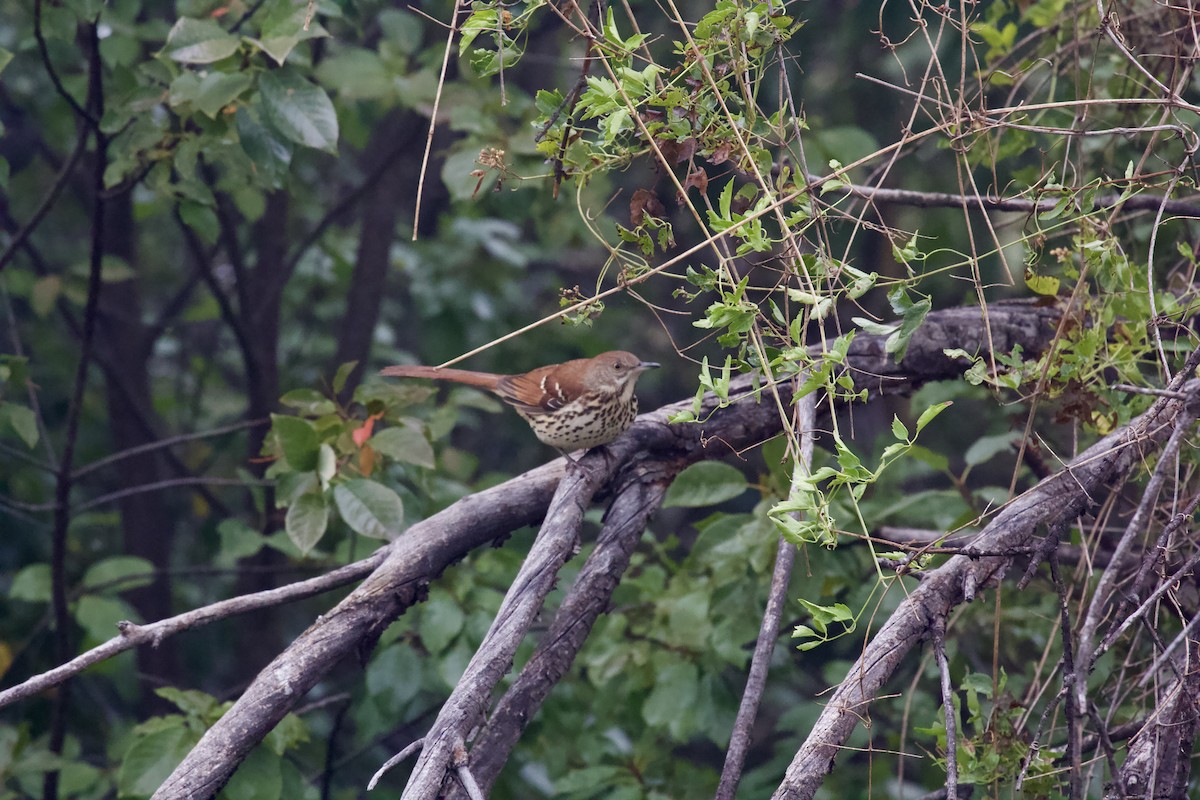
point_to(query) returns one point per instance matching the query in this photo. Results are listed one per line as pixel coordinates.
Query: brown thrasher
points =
(575, 405)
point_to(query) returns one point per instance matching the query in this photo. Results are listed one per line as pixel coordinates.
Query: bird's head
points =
(616, 371)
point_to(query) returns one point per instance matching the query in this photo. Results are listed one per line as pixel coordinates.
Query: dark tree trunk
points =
(146, 525)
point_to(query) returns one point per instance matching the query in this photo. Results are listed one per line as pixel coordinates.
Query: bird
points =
(575, 405)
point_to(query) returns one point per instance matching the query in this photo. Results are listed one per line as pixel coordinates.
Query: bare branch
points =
(939, 654)
(756, 681)
(1054, 501)
(430, 546)
(587, 598)
(399, 758)
(136, 635)
(167, 442)
(908, 197)
(556, 542)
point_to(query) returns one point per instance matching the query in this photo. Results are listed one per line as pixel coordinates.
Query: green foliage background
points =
(227, 192)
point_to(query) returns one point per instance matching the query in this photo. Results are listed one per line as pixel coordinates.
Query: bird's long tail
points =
(483, 380)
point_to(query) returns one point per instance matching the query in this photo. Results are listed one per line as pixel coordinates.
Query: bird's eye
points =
(617, 366)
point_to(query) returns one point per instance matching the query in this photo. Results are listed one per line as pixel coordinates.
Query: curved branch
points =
(432, 545)
(586, 600)
(557, 540)
(1055, 501)
(136, 635)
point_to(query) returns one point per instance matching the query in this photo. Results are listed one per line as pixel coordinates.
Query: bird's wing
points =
(536, 392)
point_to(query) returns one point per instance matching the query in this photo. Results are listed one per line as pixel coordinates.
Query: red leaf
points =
(363, 433)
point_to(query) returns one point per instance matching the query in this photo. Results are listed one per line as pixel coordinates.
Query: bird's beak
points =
(645, 365)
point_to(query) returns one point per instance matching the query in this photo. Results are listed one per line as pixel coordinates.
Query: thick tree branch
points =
(908, 197)
(556, 542)
(590, 595)
(1056, 500)
(430, 546)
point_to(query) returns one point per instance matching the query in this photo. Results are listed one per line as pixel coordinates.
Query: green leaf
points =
(441, 621)
(343, 375)
(898, 429)
(403, 28)
(405, 442)
(675, 691)
(309, 402)
(397, 659)
(268, 150)
(688, 620)
(196, 704)
(257, 778)
(1047, 285)
(45, 294)
(587, 779)
(929, 457)
(357, 74)
(705, 484)
(209, 92)
(280, 37)
(5, 57)
(370, 508)
(31, 584)
(98, 616)
(817, 631)
(151, 759)
(195, 41)
(874, 328)
(326, 465)
(912, 314)
(202, 219)
(299, 110)
(290, 732)
(114, 269)
(988, 447)
(22, 420)
(931, 413)
(119, 573)
(238, 540)
(306, 521)
(298, 440)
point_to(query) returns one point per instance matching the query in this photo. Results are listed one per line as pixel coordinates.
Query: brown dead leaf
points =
(721, 154)
(644, 203)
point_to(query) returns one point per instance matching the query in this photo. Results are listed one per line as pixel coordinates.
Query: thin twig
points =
(90, 120)
(168, 483)
(939, 654)
(56, 186)
(433, 115)
(463, 771)
(412, 748)
(1070, 676)
(908, 197)
(1088, 651)
(154, 633)
(170, 441)
(756, 681)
